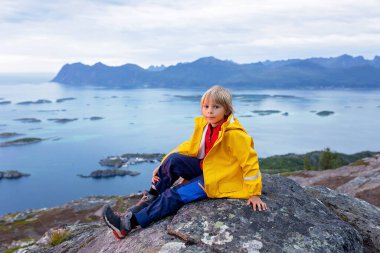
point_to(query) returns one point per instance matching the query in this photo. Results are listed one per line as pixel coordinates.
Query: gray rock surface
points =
(295, 222)
(364, 217)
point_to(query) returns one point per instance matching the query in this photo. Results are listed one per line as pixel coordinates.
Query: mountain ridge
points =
(344, 71)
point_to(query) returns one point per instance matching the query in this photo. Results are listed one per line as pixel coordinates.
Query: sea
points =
(155, 121)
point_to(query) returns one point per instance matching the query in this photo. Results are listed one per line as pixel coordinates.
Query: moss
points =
(25, 221)
(59, 236)
(359, 163)
(288, 173)
(11, 250)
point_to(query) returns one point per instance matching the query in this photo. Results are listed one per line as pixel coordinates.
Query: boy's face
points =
(214, 113)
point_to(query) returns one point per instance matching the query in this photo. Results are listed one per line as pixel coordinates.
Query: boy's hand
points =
(155, 178)
(257, 203)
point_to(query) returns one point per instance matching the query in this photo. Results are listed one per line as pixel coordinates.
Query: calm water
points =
(156, 120)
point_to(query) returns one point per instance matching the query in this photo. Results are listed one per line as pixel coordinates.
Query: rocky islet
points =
(12, 174)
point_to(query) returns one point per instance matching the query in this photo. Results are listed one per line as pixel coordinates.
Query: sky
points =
(40, 36)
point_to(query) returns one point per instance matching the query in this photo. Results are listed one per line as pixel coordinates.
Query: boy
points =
(217, 162)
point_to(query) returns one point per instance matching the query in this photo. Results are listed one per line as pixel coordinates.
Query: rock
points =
(95, 237)
(21, 216)
(111, 173)
(12, 174)
(21, 244)
(325, 113)
(360, 179)
(295, 222)
(84, 210)
(5, 102)
(364, 217)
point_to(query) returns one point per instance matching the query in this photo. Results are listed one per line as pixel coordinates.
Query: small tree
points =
(330, 160)
(326, 159)
(306, 163)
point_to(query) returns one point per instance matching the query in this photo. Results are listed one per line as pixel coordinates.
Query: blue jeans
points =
(170, 200)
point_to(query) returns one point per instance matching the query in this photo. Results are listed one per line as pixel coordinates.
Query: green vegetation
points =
(330, 160)
(316, 160)
(360, 163)
(59, 236)
(25, 221)
(12, 250)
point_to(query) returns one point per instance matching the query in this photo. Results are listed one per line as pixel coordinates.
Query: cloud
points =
(41, 36)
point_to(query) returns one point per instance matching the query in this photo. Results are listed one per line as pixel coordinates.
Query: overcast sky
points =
(41, 36)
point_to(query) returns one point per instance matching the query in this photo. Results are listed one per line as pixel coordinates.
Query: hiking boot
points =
(120, 224)
(145, 201)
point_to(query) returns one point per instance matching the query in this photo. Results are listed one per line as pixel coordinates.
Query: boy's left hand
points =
(257, 203)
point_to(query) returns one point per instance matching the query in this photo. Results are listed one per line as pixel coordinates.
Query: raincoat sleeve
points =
(242, 148)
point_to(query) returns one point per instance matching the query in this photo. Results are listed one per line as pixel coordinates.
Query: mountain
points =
(344, 71)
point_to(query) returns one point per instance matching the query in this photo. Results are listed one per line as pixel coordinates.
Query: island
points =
(21, 141)
(324, 113)
(9, 134)
(39, 101)
(266, 112)
(60, 100)
(130, 159)
(110, 173)
(12, 174)
(62, 120)
(28, 120)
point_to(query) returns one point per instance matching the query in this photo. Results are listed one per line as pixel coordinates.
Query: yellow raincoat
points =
(231, 168)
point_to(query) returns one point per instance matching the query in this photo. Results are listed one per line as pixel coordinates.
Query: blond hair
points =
(220, 96)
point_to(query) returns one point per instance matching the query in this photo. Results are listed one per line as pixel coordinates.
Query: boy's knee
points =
(173, 157)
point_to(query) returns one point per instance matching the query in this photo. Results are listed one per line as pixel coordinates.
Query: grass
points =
(59, 237)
